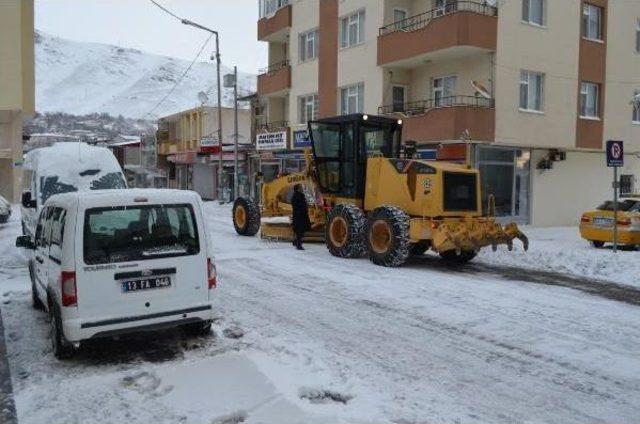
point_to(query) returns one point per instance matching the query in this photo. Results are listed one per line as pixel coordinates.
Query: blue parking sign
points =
(615, 153)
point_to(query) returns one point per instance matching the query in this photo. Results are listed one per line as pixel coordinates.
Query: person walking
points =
(300, 218)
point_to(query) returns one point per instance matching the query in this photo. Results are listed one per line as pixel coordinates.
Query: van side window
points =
(57, 226)
(43, 229)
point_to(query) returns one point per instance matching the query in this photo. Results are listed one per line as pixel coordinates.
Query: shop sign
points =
(271, 141)
(186, 158)
(209, 142)
(301, 139)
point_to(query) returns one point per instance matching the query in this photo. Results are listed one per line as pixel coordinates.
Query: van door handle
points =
(39, 259)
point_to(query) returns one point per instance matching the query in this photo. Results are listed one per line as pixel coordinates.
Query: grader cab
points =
(371, 198)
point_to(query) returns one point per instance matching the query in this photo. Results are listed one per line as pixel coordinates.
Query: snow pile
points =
(82, 78)
(563, 250)
(13, 261)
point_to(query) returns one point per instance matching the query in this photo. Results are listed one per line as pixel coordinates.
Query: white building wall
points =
(360, 63)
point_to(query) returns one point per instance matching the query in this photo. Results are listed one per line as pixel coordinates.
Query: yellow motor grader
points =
(369, 196)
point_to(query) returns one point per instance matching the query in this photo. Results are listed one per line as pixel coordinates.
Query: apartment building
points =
(17, 89)
(189, 150)
(536, 87)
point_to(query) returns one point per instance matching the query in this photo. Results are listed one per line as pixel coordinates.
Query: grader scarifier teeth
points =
(463, 236)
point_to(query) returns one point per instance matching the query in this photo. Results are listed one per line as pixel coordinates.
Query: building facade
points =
(17, 89)
(189, 151)
(535, 87)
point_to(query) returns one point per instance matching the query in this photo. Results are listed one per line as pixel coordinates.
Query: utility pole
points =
(218, 65)
(235, 133)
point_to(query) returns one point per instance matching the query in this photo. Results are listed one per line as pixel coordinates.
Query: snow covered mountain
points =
(80, 78)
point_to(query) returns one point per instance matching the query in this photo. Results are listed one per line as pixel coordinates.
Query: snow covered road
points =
(332, 340)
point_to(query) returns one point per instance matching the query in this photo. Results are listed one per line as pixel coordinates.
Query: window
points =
(591, 22)
(444, 88)
(627, 183)
(308, 110)
(636, 107)
(399, 15)
(533, 11)
(352, 30)
(589, 95)
(638, 36)
(531, 91)
(442, 7)
(352, 99)
(57, 226)
(308, 45)
(399, 95)
(122, 234)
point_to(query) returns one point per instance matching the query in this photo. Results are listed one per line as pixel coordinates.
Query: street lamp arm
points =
(197, 25)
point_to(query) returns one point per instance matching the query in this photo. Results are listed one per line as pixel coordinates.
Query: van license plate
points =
(146, 284)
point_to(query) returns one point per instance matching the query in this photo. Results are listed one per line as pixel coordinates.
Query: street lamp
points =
(204, 28)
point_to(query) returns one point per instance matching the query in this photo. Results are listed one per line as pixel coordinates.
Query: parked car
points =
(597, 226)
(5, 210)
(62, 168)
(118, 261)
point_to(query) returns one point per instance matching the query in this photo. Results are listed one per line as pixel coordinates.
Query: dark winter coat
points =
(300, 218)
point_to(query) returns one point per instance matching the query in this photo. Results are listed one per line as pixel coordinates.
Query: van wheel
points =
(62, 349)
(199, 329)
(246, 216)
(597, 244)
(388, 236)
(35, 300)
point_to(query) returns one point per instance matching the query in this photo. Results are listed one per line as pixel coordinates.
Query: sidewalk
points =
(7, 406)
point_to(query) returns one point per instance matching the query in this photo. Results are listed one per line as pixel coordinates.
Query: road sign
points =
(615, 153)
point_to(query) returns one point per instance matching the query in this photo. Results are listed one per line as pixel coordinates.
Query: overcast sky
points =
(141, 25)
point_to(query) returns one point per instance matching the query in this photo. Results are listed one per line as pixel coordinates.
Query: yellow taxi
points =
(597, 226)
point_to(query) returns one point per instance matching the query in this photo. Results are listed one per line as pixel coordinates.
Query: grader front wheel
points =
(388, 236)
(246, 216)
(344, 230)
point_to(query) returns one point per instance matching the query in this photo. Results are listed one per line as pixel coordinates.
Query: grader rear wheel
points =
(344, 231)
(246, 216)
(387, 236)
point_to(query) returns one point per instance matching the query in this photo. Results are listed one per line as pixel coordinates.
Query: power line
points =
(166, 10)
(182, 77)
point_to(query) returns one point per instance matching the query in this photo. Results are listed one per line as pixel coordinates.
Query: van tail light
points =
(211, 274)
(585, 219)
(68, 288)
(624, 222)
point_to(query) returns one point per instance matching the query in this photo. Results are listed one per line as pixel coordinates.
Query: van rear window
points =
(134, 233)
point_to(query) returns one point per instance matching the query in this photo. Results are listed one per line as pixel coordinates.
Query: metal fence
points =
(422, 106)
(272, 69)
(416, 22)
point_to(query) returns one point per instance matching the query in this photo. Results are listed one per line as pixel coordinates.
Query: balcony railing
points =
(275, 125)
(423, 106)
(270, 7)
(272, 69)
(416, 22)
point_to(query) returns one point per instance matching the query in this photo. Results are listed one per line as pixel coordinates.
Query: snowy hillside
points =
(81, 78)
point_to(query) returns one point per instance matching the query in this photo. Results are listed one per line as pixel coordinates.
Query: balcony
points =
(446, 118)
(275, 80)
(275, 26)
(459, 28)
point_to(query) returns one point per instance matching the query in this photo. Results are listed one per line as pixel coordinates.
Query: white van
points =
(118, 261)
(62, 168)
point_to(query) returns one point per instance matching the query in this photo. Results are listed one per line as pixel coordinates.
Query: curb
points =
(7, 405)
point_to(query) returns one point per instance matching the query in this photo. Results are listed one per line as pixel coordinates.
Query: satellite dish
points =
(202, 96)
(480, 90)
